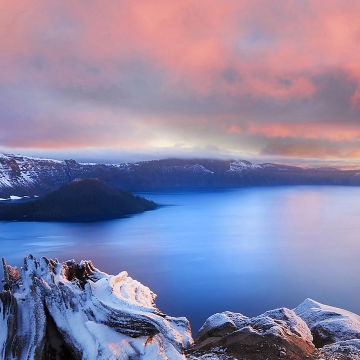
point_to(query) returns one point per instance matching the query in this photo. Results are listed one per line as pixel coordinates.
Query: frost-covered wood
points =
(74, 311)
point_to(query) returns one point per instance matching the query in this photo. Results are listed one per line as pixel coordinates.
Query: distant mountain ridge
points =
(23, 175)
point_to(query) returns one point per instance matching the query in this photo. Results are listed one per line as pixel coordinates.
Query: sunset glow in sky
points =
(140, 79)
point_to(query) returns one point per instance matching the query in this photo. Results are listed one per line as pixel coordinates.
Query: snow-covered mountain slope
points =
(22, 175)
(74, 311)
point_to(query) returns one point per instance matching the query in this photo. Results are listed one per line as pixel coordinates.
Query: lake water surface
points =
(246, 250)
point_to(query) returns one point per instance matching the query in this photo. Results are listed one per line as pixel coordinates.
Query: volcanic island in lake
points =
(82, 200)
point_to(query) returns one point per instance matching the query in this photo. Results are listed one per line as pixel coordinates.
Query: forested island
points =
(82, 200)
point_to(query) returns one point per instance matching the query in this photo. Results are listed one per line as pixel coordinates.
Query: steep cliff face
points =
(71, 311)
(30, 176)
(20, 175)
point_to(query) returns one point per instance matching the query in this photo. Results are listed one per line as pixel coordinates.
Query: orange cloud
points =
(299, 150)
(354, 154)
(314, 131)
(309, 151)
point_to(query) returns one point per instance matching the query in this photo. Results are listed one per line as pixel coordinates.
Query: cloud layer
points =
(266, 78)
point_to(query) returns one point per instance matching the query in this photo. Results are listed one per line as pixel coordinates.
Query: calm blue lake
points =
(245, 250)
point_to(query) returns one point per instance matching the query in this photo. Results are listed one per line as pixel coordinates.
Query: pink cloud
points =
(192, 40)
(185, 57)
(234, 129)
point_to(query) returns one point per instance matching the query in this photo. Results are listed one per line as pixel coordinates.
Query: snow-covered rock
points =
(341, 350)
(221, 324)
(275, 332)
(51, 310)
(310, 331)
(328, 324)
(75, 311)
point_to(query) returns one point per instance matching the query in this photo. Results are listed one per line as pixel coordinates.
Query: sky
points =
(126, 80)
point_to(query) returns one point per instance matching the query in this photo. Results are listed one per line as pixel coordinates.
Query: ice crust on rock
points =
(75, 311)
(328, 324)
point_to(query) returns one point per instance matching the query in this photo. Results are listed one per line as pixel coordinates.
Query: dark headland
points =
(82, 200)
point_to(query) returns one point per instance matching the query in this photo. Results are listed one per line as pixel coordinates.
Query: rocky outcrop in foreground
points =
(310, 331)
(51, 310)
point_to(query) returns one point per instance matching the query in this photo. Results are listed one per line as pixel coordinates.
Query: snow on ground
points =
(239, 166)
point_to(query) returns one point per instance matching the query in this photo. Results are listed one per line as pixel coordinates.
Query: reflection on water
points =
(245, 250)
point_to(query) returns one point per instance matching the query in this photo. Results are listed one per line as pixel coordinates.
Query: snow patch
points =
(241, 165)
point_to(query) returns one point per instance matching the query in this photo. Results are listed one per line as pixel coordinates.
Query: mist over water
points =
(245, 250)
